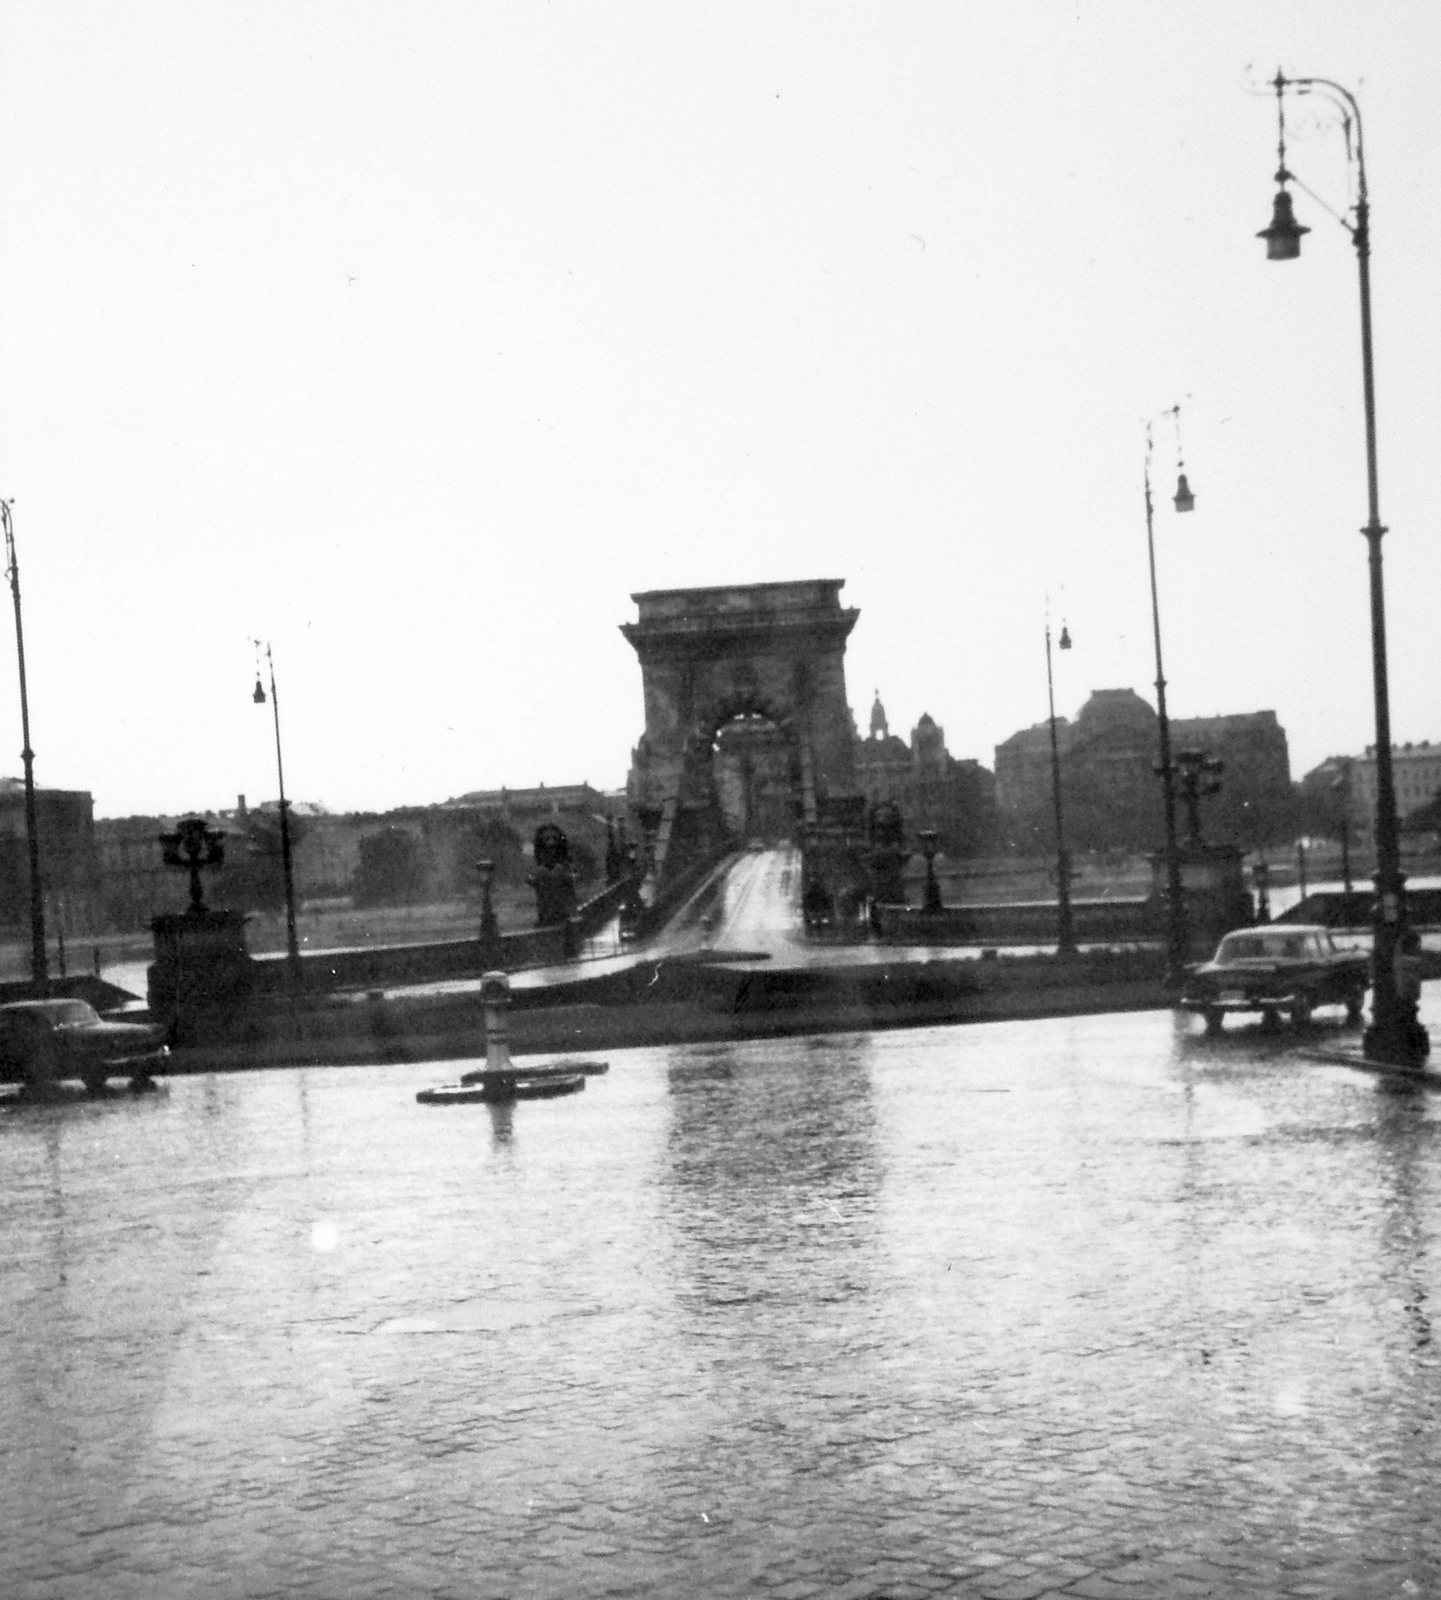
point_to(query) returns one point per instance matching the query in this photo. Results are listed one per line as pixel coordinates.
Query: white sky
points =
(415, 338)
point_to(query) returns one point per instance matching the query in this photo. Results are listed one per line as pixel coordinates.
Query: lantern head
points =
(1283, 237)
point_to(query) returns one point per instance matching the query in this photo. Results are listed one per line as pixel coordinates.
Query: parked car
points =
(1275, 969)
(44, 1041)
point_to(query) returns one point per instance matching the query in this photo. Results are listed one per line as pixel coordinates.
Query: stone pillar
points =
(202, 976)
(495, 997)
(1213, 883)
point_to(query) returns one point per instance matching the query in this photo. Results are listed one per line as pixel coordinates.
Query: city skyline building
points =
(69, 865)
(1351, 780)
(952, 795)
(1112, 794)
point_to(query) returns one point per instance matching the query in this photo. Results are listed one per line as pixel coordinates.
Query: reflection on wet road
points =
(1077, 1307)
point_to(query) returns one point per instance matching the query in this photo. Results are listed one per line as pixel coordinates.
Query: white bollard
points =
(495, 997)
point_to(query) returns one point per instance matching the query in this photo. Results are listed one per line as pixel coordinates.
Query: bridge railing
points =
(672, 895)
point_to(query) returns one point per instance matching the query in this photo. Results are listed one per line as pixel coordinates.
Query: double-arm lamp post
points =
(1183, 500)
(1394, 1035)
(292, 943)
(39, 966)
(1065, 927)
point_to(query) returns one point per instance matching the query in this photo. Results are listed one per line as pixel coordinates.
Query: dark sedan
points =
(1278, 969)
(45, 1041)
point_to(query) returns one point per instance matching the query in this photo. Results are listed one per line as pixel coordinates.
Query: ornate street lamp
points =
(1342, 785)
(292, 943)
(1065, 928)
(1175, 905)
(489, 926)
(1395, 1035)
(1261, 873)
(932, 901)
(193, 845)
(1200, 777)
(39, 967)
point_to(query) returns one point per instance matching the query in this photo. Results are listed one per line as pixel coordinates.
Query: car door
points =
(32, 1047)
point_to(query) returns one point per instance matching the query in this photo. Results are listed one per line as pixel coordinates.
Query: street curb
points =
(1422, 1077)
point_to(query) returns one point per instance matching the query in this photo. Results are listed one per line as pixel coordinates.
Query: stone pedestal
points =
(202, 975)
(1213, 888)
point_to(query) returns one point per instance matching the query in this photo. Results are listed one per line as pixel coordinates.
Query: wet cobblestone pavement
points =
(1072, 1307)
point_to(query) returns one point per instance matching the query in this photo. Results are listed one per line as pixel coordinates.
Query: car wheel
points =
(1301, 1013)
(1215, 1019)
(93, 1076)
(1270, 1019)
(1355, 1006)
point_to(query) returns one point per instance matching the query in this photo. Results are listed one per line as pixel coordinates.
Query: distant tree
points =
(14, 882)
(493, 840)
(1320, 803)
(253, 877)
(1425, 818)
(391, 870)
(1250, 812)
(975, 827)
(959, 806)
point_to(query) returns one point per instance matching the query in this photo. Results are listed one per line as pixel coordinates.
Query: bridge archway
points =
(769, 654)
(756, 772)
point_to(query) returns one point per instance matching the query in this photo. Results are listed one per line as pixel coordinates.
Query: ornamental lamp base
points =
(1402, 1043)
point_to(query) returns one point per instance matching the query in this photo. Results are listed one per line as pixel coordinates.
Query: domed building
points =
(1113, 796)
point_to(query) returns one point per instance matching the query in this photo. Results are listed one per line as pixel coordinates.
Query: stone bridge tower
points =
(774, 651)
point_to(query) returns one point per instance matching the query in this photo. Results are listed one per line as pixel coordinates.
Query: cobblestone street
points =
(1073, 1307)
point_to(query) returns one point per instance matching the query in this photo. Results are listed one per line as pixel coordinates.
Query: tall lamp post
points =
(39, 966)
(489, 927)
(1261, 873)
(1395, 1035)
(292, 943)
(1342, 786)
(1183, 500)
(932, 901)
(1065, 927)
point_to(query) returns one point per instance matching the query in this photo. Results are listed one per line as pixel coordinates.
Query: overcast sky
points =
(415, 338)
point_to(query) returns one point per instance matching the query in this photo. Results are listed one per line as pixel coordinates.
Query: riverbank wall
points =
(678, 1001)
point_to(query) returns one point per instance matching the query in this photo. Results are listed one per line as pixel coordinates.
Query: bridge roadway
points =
(752, 905)
(748, 914)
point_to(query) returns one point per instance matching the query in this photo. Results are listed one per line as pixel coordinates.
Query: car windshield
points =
(50, 1013)
(53, 1011)
(1262, 947)
(72, 1011)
